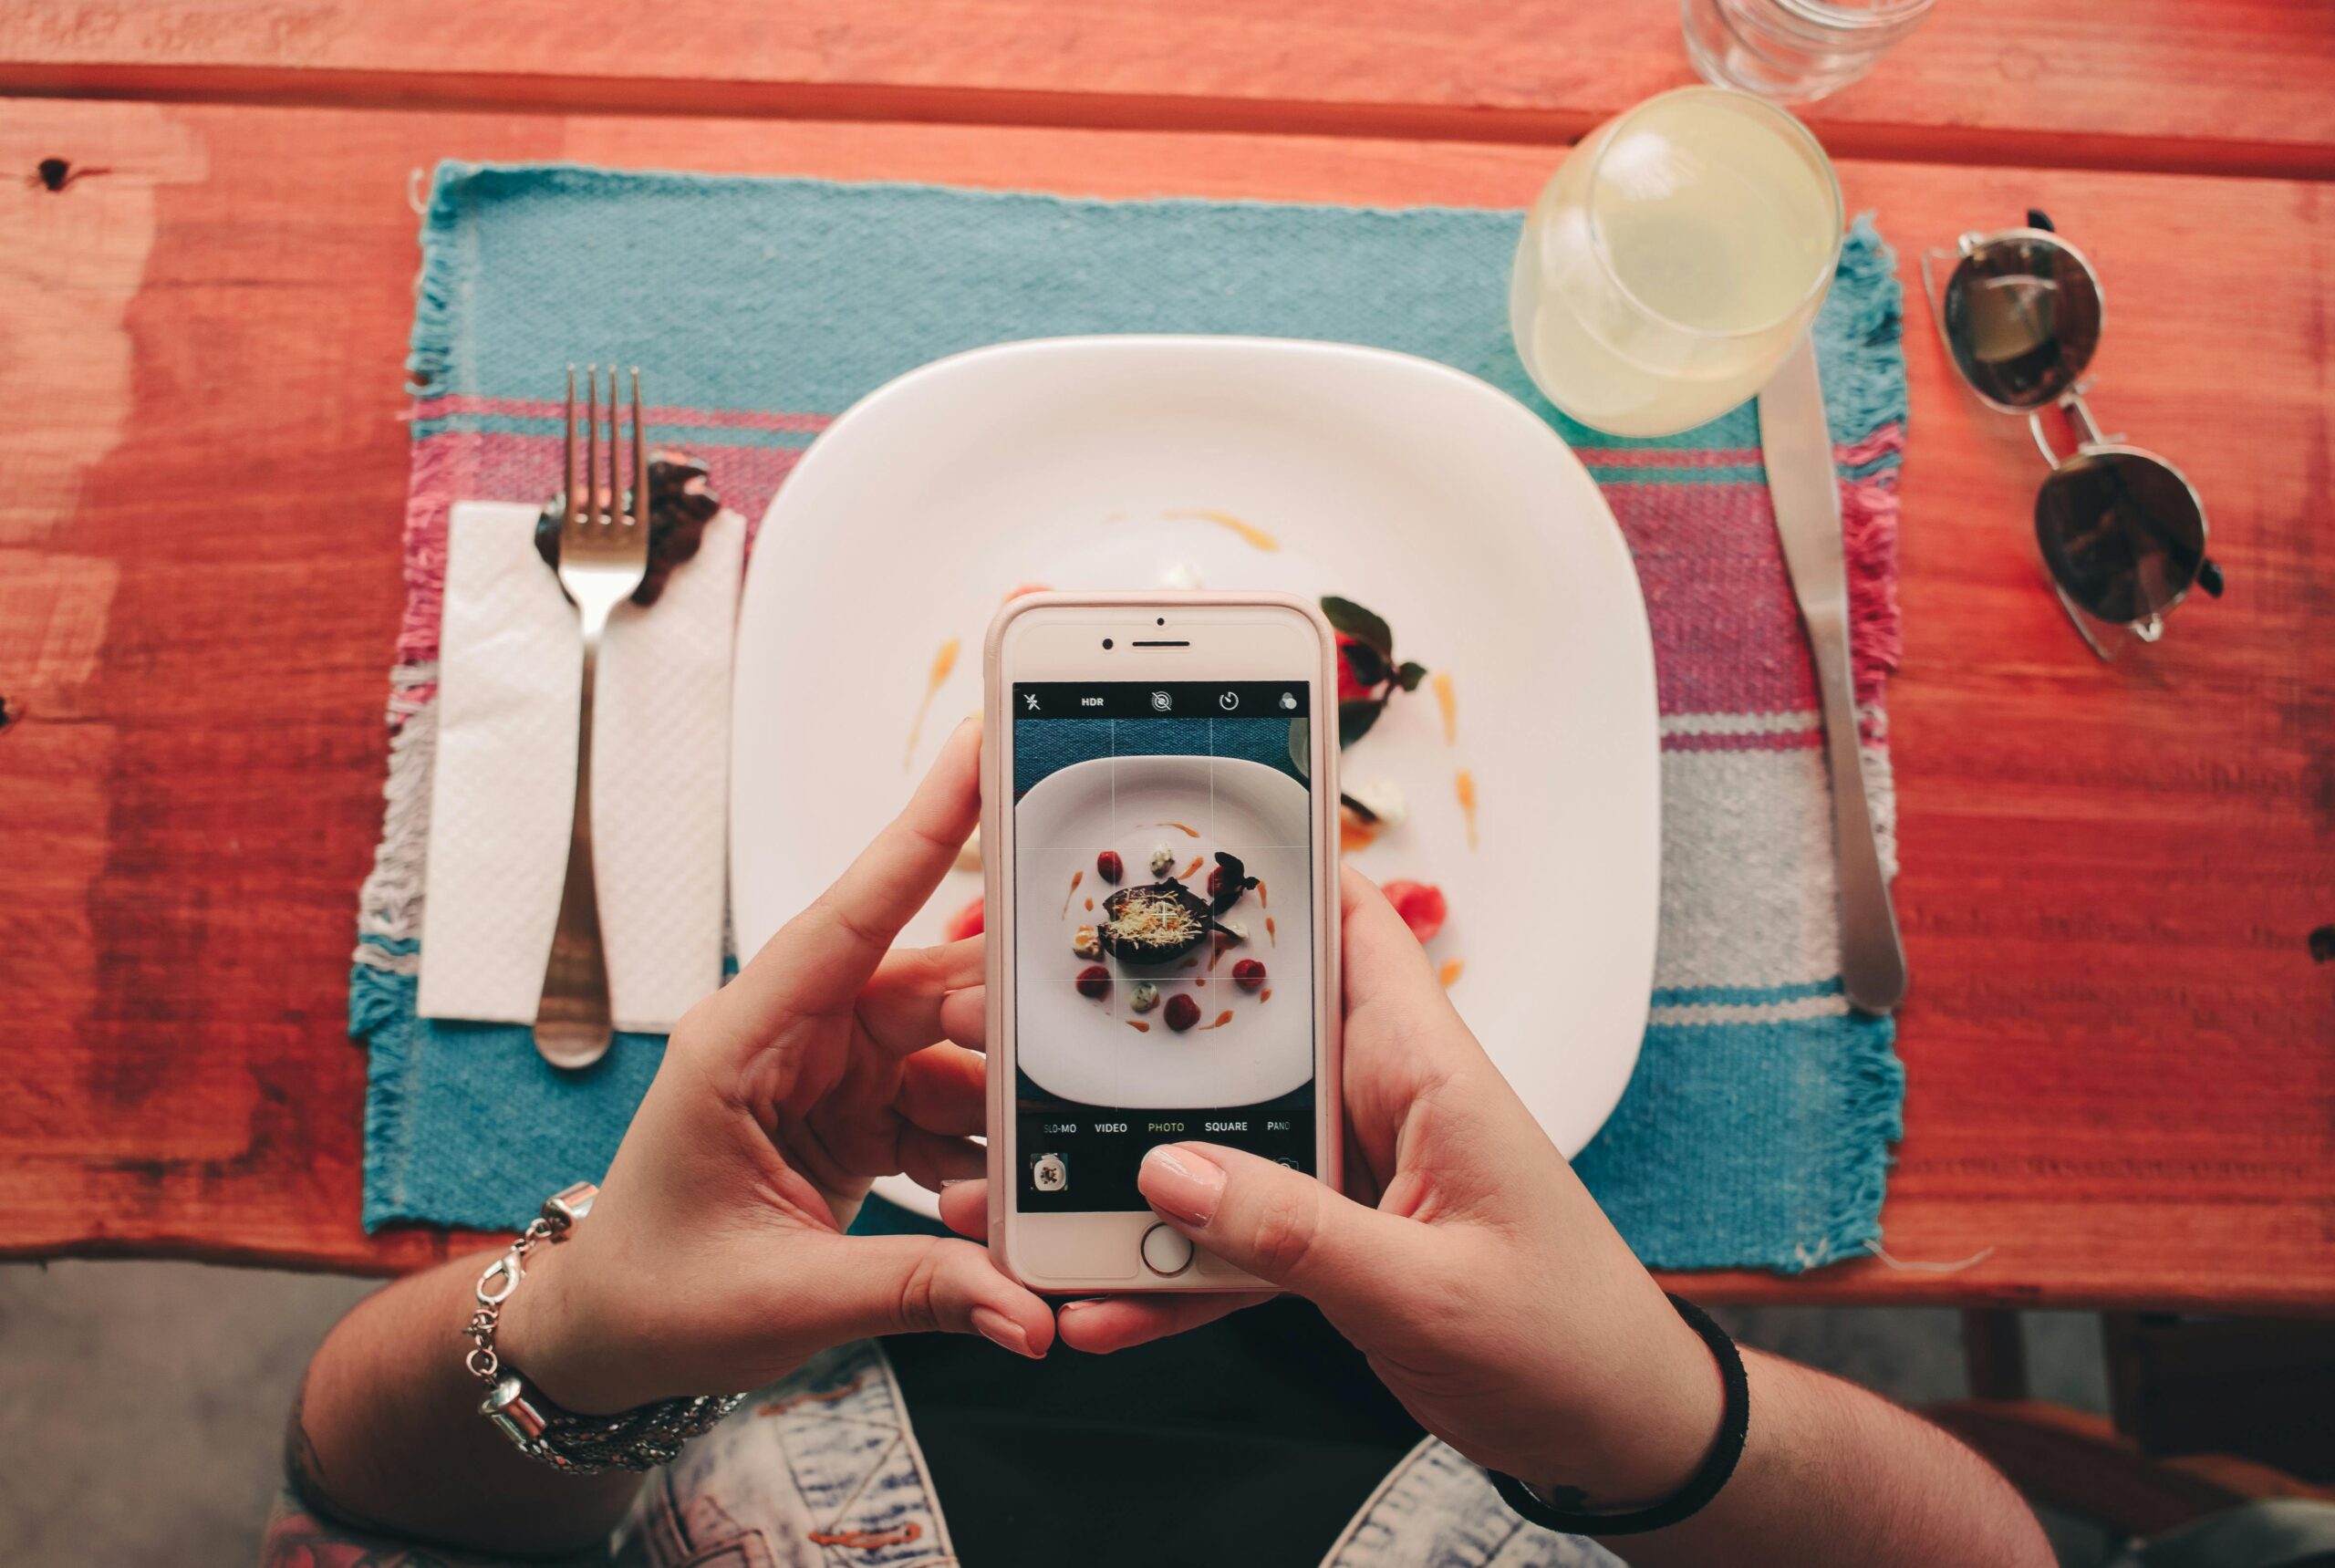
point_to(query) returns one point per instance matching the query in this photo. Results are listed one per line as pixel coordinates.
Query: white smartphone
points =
(1160, 795)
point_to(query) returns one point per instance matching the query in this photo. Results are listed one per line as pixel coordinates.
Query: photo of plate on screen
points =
(1143, 893)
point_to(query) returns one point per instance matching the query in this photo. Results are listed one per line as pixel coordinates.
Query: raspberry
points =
(1421, 905)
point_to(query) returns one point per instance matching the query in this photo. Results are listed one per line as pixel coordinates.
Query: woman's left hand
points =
(715, 1258)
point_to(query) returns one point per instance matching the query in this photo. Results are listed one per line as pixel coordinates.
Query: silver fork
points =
(603, 552)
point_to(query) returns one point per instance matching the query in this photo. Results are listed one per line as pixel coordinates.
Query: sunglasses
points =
(2123, 533)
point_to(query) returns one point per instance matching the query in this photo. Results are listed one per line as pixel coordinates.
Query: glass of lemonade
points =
(1674, 260)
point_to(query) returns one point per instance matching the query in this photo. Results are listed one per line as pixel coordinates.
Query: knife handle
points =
(1873, 959)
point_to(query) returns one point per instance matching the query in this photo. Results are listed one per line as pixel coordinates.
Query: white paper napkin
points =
(510, 676)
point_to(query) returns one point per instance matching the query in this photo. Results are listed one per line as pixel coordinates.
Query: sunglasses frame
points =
(2091, 441)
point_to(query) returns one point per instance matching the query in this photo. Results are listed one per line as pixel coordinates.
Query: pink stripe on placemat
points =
(1667, 457)
(1713, 573)
(453, 403)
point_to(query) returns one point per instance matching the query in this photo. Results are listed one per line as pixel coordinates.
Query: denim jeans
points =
(821, 1470)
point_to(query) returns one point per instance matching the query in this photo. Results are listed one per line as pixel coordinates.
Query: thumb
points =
(916, 1284)
(1281, 1225)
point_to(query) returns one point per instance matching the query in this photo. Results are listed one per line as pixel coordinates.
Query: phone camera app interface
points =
(1163, 882)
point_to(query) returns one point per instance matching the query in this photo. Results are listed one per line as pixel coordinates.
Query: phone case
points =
(997, 798)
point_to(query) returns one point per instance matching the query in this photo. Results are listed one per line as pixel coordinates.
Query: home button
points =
(1166, 1252)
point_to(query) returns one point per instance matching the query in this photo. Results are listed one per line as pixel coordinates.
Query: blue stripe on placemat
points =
(1761, 1142)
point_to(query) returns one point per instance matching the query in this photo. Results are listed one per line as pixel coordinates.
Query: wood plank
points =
(2122, 1056)
(2234, 86)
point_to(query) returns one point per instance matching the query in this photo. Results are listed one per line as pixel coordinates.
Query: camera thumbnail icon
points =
(1048, 1174)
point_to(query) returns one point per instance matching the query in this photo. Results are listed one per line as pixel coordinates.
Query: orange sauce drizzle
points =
(1187, 832)
(1248, 530)
(1090, 903)
(1448, 700)
(942, 663)
(1353, 834)
(1188, 870)
(1201, 979)
(1075, 878)
(1449, 974)
(1262, 902)
(1266, 995)
(1222, 1019)
(1272, 937)
(1465, 785)
(1139, 1026)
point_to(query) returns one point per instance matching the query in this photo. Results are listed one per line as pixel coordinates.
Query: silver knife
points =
(1798, 447)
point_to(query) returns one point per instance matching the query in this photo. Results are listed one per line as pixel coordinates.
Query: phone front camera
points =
(1107, 643)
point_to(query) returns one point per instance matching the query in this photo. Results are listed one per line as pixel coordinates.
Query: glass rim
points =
(1793, 131)
(1860, 18)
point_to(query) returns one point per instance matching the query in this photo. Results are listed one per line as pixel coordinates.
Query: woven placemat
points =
(1757, 1127)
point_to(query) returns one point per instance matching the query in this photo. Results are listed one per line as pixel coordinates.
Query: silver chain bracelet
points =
(640, 1438)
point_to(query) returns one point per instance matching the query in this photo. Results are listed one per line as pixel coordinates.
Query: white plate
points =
(1420, 491)
(1247, 1047)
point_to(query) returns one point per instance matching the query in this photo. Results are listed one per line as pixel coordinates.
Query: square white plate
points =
(1436, 500)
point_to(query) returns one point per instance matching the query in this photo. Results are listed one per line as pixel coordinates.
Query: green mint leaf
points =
(1409, 674)
(1359, 624)
(1355, 715)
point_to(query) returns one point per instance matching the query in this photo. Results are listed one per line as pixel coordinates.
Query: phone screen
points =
(1163, 890)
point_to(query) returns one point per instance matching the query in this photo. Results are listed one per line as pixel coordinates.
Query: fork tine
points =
(568, 456)
(616, 455)
(591, 443)
(639, 459)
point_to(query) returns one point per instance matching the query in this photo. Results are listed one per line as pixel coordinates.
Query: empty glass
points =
(1793, 51)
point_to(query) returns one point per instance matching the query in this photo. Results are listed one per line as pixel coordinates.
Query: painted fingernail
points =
(999, 1329)
(1181, 1184)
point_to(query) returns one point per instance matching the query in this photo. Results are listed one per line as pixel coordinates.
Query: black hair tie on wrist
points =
(1734, 1425)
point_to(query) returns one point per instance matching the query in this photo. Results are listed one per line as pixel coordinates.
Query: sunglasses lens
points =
(2122, 532)
(2022, 319)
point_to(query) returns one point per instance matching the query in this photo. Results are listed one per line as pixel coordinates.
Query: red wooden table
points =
(2121, 1052)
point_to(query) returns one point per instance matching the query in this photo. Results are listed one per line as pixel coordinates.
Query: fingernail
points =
(999, 1329)
(949, 1182)
(1182, 1184)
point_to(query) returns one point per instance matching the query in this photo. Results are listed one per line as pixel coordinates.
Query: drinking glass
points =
(1673, 261)
(1794, 51)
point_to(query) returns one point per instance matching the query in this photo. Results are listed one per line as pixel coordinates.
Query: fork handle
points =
(572, 1024)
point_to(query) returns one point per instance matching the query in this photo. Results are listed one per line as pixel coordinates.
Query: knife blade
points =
(1798, 447)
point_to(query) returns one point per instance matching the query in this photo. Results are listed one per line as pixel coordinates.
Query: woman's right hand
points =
(1488, 1289)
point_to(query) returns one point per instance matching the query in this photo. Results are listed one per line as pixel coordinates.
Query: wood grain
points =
(2235, 85)
(2120, 1057)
